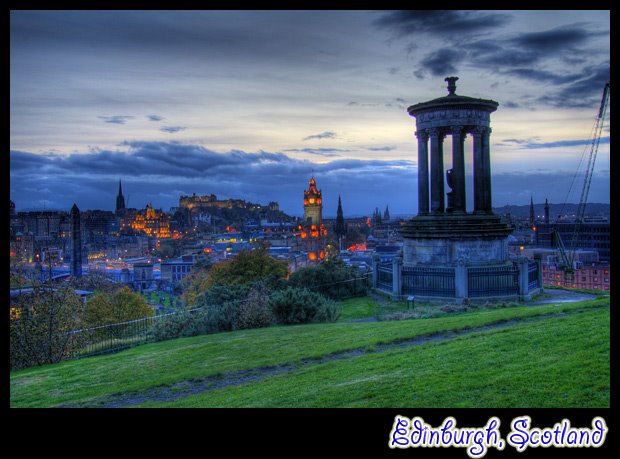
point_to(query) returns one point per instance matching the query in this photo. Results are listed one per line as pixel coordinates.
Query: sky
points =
(252, 104)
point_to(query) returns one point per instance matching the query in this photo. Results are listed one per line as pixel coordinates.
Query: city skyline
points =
(175, 103)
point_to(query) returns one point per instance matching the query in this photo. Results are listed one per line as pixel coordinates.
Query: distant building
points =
(590, 235)
(591, 276)
(152, 222)
(386, 214)
(143, 275)
(176, 270)
(43, 223)
(97, 225)
(312, 230)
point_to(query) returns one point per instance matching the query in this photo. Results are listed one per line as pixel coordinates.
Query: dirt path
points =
(190, 387)
(555, 295)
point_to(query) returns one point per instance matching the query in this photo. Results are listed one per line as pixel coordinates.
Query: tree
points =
(248, 267)
(193, 285)
(121, 306)
(40, 331)
(94, 281)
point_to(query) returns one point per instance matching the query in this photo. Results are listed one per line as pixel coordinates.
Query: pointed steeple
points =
(386, 214)
(532, 213)
(546, 212)
(339, 228)
(120, 199)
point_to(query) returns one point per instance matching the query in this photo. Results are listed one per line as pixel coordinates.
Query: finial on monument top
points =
(451, 84)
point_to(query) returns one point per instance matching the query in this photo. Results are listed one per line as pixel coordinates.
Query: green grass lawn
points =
(551, 349)
(522, 366)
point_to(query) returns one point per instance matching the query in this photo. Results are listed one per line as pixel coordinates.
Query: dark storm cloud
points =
(441, 22)
(542, 76)
(200, 35)
(584, 92)
(167, 166)
(322, 135)
(559, 56)
(442, 61)
(551, 41)
(116, 119)
(172, 129)
(155, 117)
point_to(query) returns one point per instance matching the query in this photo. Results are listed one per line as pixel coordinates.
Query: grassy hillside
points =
(550, 355)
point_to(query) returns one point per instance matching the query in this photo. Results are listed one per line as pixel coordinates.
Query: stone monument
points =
(449, 252)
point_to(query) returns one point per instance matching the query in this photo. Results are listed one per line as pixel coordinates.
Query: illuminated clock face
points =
(311, 200)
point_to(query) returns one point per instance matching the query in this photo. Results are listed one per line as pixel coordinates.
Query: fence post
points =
(522, 264)
(538, 260)
(375, 270)
(460, 281)
(397, 272)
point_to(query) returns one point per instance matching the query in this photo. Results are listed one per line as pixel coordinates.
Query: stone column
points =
(437, 188)
(458, 168)
(422, 172)
(478, 171)
(486, 170)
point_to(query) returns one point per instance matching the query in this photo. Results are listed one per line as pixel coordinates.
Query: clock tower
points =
(312, 230)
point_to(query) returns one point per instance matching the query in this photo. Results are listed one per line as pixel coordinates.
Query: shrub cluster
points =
(301, 306)
(332, 279)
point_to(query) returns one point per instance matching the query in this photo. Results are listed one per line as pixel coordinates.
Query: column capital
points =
(433, 132)
(422, 135)
(480, 130)
(458, 131)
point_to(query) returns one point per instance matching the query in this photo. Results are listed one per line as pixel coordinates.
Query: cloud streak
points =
(116, 119)
(322, 135)
(441, 22)
(172, 129)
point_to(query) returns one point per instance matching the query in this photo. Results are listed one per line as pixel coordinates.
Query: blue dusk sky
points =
(251, 104)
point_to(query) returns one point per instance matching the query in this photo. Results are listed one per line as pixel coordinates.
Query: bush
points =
(254, 311)
(298, 306)
(181, 325)
(332, 279)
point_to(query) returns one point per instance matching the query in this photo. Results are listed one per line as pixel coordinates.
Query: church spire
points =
(532, 213)
(120, 199)
(340, 228)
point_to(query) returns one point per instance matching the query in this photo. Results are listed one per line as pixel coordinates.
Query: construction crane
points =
(568, 257)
